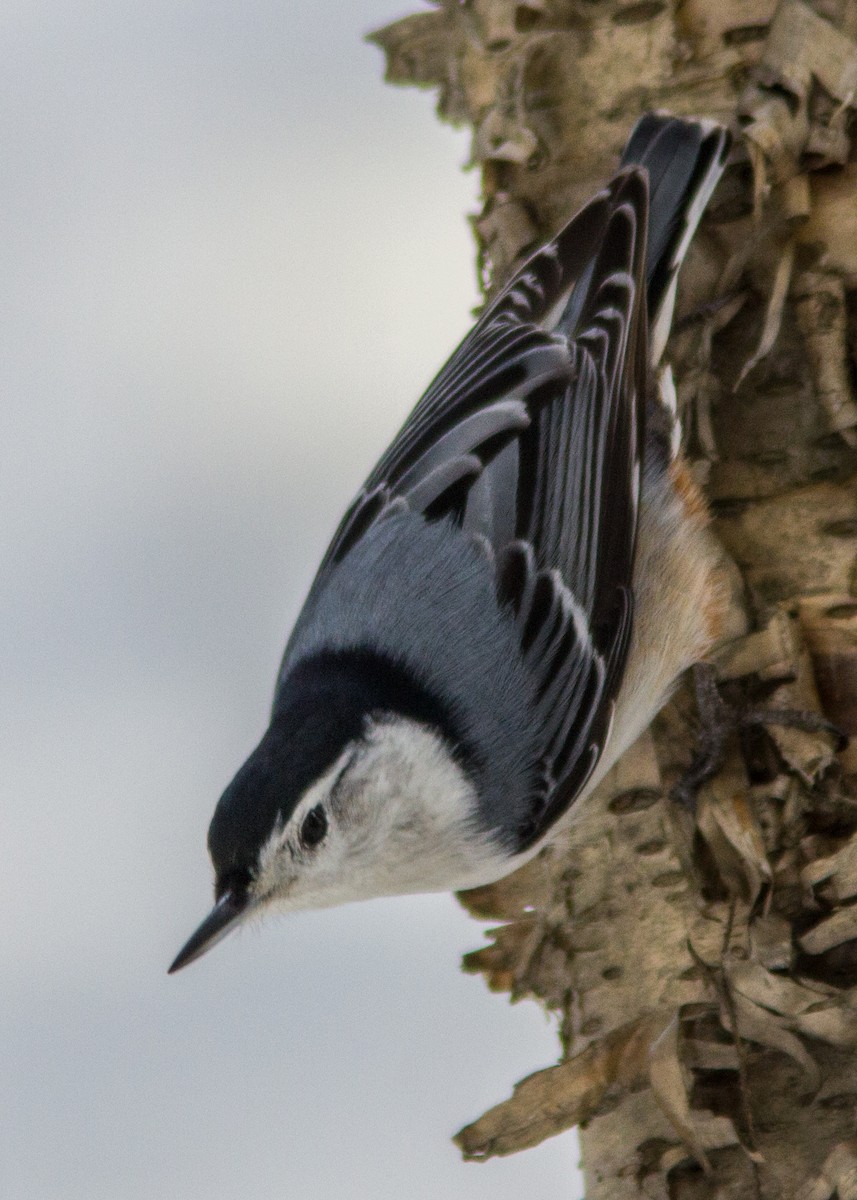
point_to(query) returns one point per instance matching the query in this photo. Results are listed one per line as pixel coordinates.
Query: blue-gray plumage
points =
(468, 662)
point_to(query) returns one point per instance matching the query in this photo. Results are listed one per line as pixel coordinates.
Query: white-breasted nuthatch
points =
(511, 597)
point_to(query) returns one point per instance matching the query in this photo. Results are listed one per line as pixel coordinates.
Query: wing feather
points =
(568, 579)
(529, 438)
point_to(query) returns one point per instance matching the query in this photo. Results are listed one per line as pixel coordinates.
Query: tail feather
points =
(684, 159)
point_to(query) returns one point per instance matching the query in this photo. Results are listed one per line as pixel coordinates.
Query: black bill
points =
(223, 918)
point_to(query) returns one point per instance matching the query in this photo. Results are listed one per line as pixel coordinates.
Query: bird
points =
(512, 595)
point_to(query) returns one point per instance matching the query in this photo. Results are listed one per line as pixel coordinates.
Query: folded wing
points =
(529, 439)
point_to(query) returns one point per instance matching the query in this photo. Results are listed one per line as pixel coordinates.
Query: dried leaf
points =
(829, 144)
(775, 136)
(710, 1056)
(819, 1188)
(820, 309)
(801, 44)
(777, 993)
(502, 961)
(771, 941)
(831, 227)
(838, 871)
(807, 1009)
(830, 1023)
(418, 47)
(557, 1098)
(838, 1174)
(732, 832)
(839, 927)
(501, 138)
(809, 753)
(769, 653)
(712, 1132)
(755, 1024)
(829, 623)
(670, 1089)
(731, 27)
(794, 199)
(774, 311)
(707, 933)
(841, 1165)
(496, 23)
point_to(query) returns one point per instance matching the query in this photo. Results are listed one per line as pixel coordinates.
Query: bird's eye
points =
(314, 826)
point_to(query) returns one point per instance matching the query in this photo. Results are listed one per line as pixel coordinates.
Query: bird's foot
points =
(719, 720)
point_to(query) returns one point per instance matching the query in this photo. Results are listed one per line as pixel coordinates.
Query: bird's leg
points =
(734, 298)
(720, 719)
(717, 720)
(794, 718)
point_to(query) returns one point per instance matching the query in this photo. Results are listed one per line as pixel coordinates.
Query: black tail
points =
(684, 159)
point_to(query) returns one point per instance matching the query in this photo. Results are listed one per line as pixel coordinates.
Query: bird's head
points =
(341, 800)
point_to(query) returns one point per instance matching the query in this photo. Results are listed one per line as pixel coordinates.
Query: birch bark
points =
(705, 974)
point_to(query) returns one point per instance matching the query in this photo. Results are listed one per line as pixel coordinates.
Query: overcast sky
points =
(231, 260)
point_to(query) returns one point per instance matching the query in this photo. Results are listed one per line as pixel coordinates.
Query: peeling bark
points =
(705, 973)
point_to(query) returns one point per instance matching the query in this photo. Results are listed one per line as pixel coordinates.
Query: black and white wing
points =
(684, 160)
(568, 574)
(517, 357)
(529, 439)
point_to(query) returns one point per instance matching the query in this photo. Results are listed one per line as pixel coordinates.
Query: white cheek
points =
(401, 821)
(285, 869)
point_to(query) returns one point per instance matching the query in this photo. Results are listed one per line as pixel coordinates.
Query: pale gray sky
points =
(231, 260)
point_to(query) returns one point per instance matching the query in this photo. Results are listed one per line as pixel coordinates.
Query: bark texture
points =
(705, 972)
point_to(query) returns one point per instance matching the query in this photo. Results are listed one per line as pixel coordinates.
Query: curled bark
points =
(705, 973)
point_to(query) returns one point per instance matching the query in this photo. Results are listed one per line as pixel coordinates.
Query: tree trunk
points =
(705, 972)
